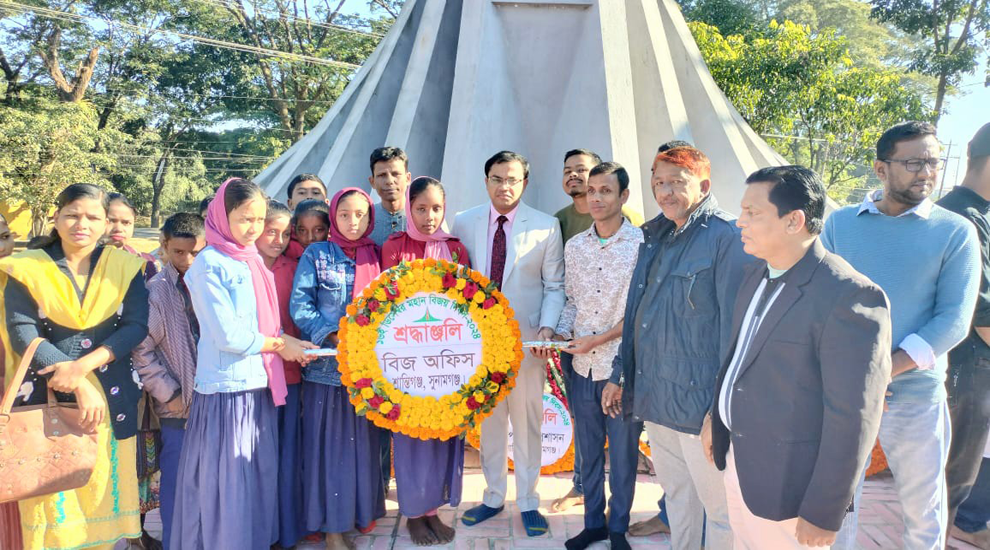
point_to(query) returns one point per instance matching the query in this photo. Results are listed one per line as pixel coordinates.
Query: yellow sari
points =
(106, 509)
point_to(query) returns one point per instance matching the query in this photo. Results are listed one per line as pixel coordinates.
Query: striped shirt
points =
(166, 359)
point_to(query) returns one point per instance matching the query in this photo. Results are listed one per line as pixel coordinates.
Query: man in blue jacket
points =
(675, 331)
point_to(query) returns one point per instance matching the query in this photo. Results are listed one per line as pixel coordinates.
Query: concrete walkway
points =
(880, 520)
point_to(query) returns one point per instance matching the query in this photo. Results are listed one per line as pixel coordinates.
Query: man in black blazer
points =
(799, 397)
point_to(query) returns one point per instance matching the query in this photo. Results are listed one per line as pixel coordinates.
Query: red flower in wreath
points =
(392, 292)
(497, 377)
(373, 305)
(471, 403)
(470, 290)
(489, 303)
(376, 401)
(449, 281)
(363, 383)
(394, 413)
(362, 320)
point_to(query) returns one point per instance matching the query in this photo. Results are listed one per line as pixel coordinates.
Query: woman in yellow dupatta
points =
(90, 304)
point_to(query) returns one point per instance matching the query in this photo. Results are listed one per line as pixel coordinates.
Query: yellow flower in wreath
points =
(385, 407)
(492, 387)
(479, 396)
(367, 393)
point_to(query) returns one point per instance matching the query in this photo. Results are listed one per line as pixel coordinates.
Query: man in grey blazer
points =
(521, 248)
(799, 397)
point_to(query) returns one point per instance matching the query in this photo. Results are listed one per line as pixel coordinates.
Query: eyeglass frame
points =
(924, 162)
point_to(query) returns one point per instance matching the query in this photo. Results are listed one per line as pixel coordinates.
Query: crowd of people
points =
(763, 355)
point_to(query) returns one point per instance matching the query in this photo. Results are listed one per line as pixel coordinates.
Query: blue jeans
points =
(915, 438)
(567, 369)
(623, 452)
(172, 438)
(974, 513)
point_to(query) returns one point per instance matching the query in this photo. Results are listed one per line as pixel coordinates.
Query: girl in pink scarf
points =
(227, 484)
(428, 474)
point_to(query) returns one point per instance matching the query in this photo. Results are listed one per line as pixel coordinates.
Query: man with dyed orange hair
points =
(675, 330)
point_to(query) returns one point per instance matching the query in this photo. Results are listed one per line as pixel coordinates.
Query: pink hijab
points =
(436, 243)
(365, 252)
(219, 237)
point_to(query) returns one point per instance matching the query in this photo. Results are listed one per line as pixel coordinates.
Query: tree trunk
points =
(940, 97)
(157, 185)
(75, 90)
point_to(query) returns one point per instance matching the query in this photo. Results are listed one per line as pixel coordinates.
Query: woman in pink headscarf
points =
(341, 451)
(427, 473)
(226, 488)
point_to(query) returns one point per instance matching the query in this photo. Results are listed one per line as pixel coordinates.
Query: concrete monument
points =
(454, 81)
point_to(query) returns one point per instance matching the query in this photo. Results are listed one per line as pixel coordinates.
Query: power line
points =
(76, 18)
(300, 20)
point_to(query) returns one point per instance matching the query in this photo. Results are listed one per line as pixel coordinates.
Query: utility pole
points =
(948, 152)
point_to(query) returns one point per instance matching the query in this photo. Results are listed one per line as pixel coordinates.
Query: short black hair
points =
(905, 131)
(674, 144)
(502, 157)
(275, 208)
(311, 207)
(575, 152)
(610, 167)
(122, 198)
(388, 154)
(205, 204)
(795, 188)
(422, 183)
(183, 225)
(977, 164)
(240, 191)
(305, 177)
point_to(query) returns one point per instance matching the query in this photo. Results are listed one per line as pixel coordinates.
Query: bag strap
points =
(15, 383)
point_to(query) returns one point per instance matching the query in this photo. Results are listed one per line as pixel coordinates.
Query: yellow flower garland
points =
(429, 417)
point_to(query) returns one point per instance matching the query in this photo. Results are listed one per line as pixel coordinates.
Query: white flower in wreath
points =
(120, 310)
(41, 314)
(137, 379)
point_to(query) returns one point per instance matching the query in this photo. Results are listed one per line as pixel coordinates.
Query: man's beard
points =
(576, 193)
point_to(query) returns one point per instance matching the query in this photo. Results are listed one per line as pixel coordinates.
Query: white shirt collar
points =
(869, 204)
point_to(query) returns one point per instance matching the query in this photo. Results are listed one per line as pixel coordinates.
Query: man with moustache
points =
(927, 260)
(598, 266)
(389, 178)
(519, 248)
(675, 331)
(799, 397)
(576, 218)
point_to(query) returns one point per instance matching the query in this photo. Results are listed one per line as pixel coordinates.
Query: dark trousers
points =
(168, 461)
(974, 513)
(969, 411)
(566, 367)
(623, 451)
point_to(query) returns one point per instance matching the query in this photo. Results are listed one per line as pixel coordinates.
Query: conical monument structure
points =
(455, 81)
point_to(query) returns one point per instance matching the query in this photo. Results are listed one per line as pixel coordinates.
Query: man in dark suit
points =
(799, 397)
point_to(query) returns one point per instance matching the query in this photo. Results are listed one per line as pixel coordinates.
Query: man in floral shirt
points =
(598, 268)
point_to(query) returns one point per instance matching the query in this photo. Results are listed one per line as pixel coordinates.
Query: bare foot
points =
(648, 527)
(979, 539)
(420, 532)
(564, 503)
(443, 532)
(337, 541)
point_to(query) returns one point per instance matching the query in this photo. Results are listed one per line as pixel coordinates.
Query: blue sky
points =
(967, 112)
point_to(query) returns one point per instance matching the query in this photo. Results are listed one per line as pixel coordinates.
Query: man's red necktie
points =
(498, 252)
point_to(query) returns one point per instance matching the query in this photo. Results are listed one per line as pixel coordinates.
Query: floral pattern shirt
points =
(596, 281)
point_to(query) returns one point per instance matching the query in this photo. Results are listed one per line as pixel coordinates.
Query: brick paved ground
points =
(880, 522)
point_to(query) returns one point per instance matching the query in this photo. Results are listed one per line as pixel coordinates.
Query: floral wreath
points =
(555, 381)
(429, 417)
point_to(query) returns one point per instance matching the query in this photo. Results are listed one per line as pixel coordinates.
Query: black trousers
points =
(969, 411)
